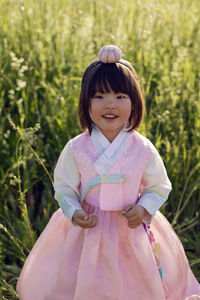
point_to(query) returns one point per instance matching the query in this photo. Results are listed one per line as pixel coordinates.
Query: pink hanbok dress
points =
(109, 261)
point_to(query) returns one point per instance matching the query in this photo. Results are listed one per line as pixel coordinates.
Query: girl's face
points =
(110, 112)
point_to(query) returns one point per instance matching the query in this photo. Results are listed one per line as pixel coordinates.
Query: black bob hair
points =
(119, 77)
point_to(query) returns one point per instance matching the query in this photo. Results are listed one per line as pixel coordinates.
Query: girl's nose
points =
(110, 102)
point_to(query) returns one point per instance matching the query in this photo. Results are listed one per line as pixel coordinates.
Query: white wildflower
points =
(21, 84)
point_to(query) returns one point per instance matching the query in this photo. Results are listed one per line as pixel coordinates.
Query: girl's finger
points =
(130, 212)
(85, 220)
(90, 222)
(80, 214)
(134, 224)
(133, 218)
(127, 208)
(94, 220)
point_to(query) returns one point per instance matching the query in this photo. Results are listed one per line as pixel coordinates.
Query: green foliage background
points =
(44, 49)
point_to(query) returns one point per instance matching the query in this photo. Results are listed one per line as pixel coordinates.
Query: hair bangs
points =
(110, 77)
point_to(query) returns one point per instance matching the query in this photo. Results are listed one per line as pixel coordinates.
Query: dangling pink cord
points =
(155, 247)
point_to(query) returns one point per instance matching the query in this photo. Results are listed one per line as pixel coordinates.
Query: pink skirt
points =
(108, 262)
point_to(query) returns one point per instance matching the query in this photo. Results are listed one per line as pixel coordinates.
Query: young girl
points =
(110, 183)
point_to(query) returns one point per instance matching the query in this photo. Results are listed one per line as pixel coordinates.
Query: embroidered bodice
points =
(110, 175)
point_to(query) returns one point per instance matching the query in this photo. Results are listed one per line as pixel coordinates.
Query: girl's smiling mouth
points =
(109, 116)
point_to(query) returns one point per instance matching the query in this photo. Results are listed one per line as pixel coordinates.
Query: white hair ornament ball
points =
(109, 54)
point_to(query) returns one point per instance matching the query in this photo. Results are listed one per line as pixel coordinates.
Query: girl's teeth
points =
(109, 116)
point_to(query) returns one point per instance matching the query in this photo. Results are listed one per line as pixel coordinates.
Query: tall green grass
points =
(44, 49)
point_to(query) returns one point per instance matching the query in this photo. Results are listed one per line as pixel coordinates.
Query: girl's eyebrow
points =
(121, 93)
(98, 92)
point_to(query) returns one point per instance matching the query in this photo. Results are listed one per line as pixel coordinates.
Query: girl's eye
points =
(98, 97)
(121, 97)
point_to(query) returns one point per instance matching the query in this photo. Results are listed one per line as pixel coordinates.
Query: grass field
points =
(44, 49)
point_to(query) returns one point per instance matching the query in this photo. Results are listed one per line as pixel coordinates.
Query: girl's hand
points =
(82, 219)
(134, 214)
